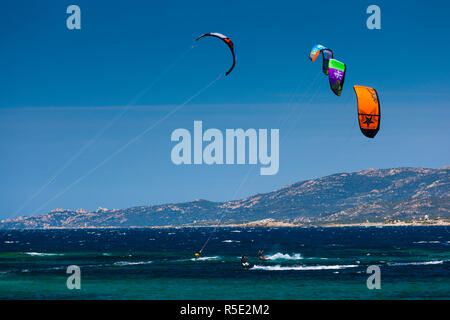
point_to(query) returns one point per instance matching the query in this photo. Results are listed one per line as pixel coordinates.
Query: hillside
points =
(371, 195)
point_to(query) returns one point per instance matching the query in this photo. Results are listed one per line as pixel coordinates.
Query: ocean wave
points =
(302, 268)
(205, 258)
(42, 254)
(131, 263)
(285, 256)
(423, 263)
(57, 268)
(427, 241)
(230, 241)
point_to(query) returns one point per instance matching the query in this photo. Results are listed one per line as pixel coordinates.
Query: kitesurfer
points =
(244, 262)
(261, 255)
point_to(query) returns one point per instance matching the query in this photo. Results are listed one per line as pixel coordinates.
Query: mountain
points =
(400, 194)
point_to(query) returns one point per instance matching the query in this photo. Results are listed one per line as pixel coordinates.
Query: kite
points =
(368, 110)
(227, 41)
(336, 75)
(327, 54)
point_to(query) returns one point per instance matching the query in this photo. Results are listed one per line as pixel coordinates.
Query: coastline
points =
(268, 223)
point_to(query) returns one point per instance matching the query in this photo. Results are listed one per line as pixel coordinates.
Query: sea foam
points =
(302, 268)
(130, 263)
(285, 256)
(423, 263)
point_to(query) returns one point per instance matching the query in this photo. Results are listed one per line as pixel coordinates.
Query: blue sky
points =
(59, 88)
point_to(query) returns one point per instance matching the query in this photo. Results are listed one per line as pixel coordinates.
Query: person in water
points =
(261, 255)
(244, 262)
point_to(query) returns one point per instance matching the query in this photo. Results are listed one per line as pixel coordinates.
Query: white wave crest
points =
(42, 254)
(415, 263)
(285, 256)
(130, 263)
(302, 268)
(204, 258)
(427, 241)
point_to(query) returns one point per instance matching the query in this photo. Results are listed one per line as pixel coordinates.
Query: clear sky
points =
(60, 87)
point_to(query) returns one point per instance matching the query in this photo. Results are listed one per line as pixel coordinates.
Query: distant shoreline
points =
(389, 197)
(265, 224)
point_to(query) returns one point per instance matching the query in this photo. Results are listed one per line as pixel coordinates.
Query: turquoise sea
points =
(305, 263)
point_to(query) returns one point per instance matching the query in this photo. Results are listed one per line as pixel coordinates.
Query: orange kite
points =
(368, 110)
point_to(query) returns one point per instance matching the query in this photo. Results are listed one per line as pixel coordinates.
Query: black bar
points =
(223, 309)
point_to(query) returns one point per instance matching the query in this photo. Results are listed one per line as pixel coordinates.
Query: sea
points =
(304, 263)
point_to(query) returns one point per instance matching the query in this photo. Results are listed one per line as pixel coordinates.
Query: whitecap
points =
(42, 254)
(204, 258)
(427, 242)
(302, 268)
(423, 263)
(131, 263)
(285, 256)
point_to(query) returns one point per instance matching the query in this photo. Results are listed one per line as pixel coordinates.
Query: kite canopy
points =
(368, 110)
(327, 54)
(336, 75)
(227, 41)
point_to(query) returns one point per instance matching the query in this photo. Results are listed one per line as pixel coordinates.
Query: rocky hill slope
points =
(367, 196)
